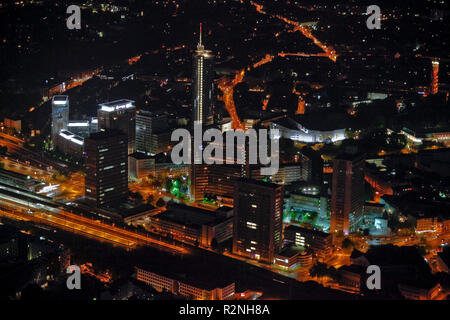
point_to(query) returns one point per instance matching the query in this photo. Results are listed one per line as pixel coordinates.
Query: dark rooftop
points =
(141, 156)
(305, 230)
(259, 183)
(190, 216)
(105, 134)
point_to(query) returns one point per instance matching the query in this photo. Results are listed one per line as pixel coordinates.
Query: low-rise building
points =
(320, 242)
(19, 180)
(189, 287)
(351, 277)
(290, 257)
(291, 129)
(140, 165)
(413, 292)
(13, 124)
(193, 225)
(308, 202)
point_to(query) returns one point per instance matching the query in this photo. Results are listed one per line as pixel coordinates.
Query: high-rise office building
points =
(311, 164)
(152, 132)
(60, 115)
(106, 180)
(258, 211)
(203, 85)
(120, 115)
(347, 198)
(218, 179)
(83, 128)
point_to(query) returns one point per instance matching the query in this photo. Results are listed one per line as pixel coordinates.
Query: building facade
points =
(347, 197)
(60, 115)
(119, 115)
(70, 144)
(319, 242)
(152, 132)
(183, 288)
(203, 85)
(258, 211)
(106, 180)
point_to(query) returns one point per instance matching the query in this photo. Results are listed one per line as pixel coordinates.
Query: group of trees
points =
(348, 245)
(209, 197)
(303, 217)
(322, 270)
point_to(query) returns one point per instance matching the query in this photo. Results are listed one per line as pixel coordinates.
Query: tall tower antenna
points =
(200, 43)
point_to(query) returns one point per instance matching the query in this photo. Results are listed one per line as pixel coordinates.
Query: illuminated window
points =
(251, 225)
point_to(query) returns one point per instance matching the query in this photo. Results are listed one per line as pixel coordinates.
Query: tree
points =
(347, 244)
(160, 202)
(150, 199)
(321, 270)
(318, 270)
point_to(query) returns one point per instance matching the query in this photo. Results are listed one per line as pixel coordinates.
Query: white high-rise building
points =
(60, 115)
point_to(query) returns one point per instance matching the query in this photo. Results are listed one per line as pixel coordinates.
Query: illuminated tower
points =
(203, 86)
(434, 76)
(60, 115)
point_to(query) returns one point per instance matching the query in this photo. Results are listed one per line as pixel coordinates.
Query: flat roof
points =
(259, 183)
(201, 277)
(305, 230)
(14, 174)
(141, 156)
(422, 132)
(117, 105)
(289, 252)
(105, 134)
(348, 156)
(190, 216)
(72, 137)
(78, 123)
(60, 98)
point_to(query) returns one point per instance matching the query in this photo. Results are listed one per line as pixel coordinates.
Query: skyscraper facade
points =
(257, 227)
(120, 115)
(60, 115)
(152, 132)
(203, 86)
(219, 179)
(347, 198)
(311, 166)
(106, 180)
